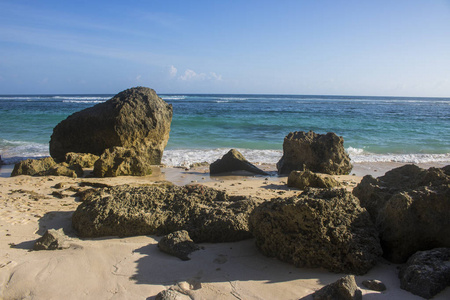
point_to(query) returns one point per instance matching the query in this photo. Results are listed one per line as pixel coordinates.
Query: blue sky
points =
(395, 48)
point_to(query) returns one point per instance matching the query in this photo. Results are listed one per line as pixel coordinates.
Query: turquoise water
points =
(206, 126)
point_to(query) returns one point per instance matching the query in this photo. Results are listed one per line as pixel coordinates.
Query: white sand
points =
(134, 268)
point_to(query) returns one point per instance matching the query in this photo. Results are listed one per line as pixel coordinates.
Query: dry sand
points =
(134, 268)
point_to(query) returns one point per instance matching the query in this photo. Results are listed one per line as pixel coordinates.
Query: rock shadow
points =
(57, 220)
(220, 263)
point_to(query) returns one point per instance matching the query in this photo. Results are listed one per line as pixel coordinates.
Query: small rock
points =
(171, 294)
(178, 244)
(59, 194)
(60, 185)
(343, 289)
(52, 240)
(374, 285)
(234, 161)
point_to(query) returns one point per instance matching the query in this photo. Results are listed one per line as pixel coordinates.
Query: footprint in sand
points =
(220, 259)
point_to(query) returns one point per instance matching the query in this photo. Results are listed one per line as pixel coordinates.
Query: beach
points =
(134, 268)
(381, 133)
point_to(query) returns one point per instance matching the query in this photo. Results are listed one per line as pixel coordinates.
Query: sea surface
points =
(204, 127)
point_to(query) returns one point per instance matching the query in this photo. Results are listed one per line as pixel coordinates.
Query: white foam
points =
(14, 151)
(186, 157)
(82, 98)
(83, 101)
(173, 97)
(359, 155)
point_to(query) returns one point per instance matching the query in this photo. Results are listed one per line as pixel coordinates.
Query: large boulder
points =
(320, 153)
(410, 207)
(426, 273)
(305, 179)
(135, 118)
(119, 161)
(318, 228)
(208, 215)
(234, 161)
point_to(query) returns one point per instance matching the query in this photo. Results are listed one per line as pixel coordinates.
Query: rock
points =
(343, 289)
(178, 244)
(45, 167)
(208, 215)
(135, 118)
(33, 167)
(320, 153)
(59, 194)
(64, 169)
(118, 161)
(60, 185)
(52, 240)
(374, 285)
(172, 294)
(304, 179)
(410, 207)
(85, 160)
(318, 228)
(234, 161)
(426, 273)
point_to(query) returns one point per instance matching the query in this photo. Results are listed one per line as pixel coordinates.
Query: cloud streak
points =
(191, 75)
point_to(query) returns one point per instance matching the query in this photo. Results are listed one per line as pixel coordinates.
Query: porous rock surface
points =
(318, 228)
(85, 160)
(320, 153)
(426, 273)
(135, 118)
(178, 244)
(119, 161)
(45, 167)
(33, 167)
(208, 215)
(305, 179)
(234, 161)
(410, 207)
(343, 289)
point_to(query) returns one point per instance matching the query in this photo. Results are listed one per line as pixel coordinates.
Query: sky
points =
(316, 47)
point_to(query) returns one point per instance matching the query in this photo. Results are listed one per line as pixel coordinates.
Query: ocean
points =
(204, 127)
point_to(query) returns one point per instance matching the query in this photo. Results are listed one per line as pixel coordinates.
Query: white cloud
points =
(138, 78)
(215, 76)
(190, 75)
(173, 71)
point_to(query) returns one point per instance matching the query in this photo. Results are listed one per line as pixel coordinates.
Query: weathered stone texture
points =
(320, 153)
(426, 273)
(319, 228)
(410, 207)
(208, 215)
(135, 118)
(305, 179)
(234, 161)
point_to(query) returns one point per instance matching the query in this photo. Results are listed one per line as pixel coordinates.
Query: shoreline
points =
(134, 268)
(181, 175)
